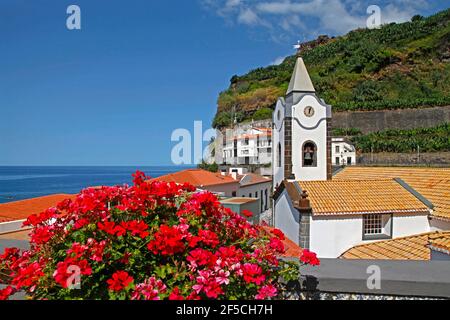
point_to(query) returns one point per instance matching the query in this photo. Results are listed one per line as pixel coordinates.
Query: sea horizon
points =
(25, 182)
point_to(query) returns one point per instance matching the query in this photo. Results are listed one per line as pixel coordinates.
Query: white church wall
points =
(439, 225)
(408, 225)
(278, 138)
(330, 237)
(287, 217)
(311, 129)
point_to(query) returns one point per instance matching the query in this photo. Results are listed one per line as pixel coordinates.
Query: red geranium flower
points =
(253, 273)
(309, 257)
(247, 213)
(6, 293)
(175, 294)
(119, 281)
(278, 233)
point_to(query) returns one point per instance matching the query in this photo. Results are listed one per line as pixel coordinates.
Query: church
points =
(329, 213)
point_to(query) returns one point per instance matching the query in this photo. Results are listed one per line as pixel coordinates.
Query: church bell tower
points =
(301, 132)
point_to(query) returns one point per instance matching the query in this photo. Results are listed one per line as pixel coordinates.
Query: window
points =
(250, 195)
(377, 226)
(279, 155)
(266, 199)
(337, 149)
(233, 194)
(349, 160)
(261, 201)
(309, 154)
(372, 224)
(337, 161)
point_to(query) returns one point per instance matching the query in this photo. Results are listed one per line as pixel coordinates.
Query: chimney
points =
(304, 203)
(234, 175)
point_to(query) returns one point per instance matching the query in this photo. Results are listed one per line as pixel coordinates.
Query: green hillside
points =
(398, 66)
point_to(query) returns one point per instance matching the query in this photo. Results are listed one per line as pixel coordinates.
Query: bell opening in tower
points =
(309, 154)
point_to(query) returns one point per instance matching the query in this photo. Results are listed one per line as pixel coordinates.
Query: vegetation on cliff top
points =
(397, 66)
(394, 140)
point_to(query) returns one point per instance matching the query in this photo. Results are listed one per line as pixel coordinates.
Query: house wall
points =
(439, 225)
(227, 189)
(406, 225)
(343, 154)
(244, 191)
(331, 236)
(11, 226)
(287, 217)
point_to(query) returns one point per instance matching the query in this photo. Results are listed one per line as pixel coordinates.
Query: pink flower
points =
(267, 291)
(149, 290)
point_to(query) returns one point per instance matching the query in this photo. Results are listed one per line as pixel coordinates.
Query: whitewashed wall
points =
(278, 137)
(11, 226)
(439, 225)
(226, 189)
(407, 225)
(287, 217)
(330, 236)
(244, 191)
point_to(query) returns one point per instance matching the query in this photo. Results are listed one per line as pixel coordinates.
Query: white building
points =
(343, 153)
(251, 146)
(331, 216)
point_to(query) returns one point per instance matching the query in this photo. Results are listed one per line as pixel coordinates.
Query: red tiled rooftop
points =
(292, 249)
(22, 209)
(253, 178)
(197, 177)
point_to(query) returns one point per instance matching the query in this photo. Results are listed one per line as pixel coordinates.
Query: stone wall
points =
(384, 158)
(372, 121)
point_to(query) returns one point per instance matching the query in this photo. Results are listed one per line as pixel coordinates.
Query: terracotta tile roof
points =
(252, 178)
(440, 242)
(360, 196)
(292, 249)
(22, 209)
(197, 177)
(432, 183)
(414, 247)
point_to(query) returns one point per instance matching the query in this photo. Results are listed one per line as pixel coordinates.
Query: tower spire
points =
(300, 80)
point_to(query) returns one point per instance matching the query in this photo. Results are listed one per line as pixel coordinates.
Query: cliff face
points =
(399, 66)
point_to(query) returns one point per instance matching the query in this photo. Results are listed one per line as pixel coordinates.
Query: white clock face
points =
(309, 111)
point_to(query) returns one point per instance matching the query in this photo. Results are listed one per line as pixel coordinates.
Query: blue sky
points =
(113, 92)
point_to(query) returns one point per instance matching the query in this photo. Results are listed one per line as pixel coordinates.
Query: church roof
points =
(415, 247)
(300, 80)
(345, 197)
(432, 183)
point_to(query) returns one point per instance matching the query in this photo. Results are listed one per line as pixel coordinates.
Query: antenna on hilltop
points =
(297, 46)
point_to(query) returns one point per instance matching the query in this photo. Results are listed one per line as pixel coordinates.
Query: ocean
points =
(17, 183)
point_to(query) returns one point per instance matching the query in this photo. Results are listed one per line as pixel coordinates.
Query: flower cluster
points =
(152, 241)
